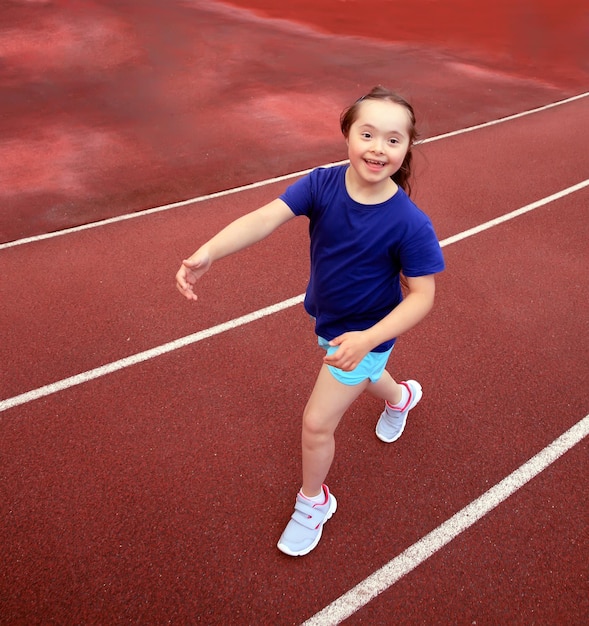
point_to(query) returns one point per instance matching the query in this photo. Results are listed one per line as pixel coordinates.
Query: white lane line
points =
(134, 359)
(109, 368)
(158, 209)
(508, 118)
(270, 181)
(245, 319)
(389, 574)
(509, 216)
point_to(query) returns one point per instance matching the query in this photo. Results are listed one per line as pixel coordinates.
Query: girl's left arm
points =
(354, 346)
(415, 306)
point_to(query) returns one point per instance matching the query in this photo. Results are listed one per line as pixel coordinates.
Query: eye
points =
(393, 141)
(365, 135)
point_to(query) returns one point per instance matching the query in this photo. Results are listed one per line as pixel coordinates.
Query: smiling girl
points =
(364, 232)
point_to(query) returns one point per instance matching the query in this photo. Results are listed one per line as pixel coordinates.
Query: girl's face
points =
(378, 140)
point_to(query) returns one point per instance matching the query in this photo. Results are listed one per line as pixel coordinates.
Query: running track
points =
(156, 492)
(150, 446)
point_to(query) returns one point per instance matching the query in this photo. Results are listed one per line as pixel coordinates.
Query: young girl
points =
(364, 232)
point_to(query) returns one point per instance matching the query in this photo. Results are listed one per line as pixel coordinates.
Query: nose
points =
(377, 145)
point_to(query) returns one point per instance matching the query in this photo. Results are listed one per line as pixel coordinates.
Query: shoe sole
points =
(332, 509)
(418, 396)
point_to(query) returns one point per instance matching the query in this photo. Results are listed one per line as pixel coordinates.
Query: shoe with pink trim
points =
(391, 423)
(303, 531)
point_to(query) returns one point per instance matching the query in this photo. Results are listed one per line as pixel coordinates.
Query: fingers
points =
(341, 359)
(184, 286)
(187, 292)
(190, 271)
(342, 364)
(351, 349)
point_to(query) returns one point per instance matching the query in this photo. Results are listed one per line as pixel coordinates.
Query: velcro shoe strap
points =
(306, 515)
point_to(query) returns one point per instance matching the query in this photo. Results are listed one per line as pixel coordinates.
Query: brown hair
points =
(403, 175)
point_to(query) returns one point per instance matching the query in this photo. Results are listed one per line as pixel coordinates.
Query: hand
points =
(190, 271)
(353, 347)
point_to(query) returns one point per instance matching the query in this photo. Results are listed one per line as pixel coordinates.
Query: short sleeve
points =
(421, 254)
(299, 197)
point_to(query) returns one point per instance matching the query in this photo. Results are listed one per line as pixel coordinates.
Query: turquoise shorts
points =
(371, 366)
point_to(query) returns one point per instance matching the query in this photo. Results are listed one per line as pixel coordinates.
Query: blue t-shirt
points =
(358, 251)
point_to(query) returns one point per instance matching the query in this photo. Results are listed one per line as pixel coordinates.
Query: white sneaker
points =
(391, 423)
(303, 531)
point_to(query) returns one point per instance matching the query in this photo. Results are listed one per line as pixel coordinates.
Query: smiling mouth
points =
(372, 163)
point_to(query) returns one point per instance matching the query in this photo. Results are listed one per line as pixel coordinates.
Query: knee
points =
(317, 425)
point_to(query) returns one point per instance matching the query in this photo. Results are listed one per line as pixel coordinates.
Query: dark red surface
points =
(156, 494)
(109, 108)
(540, 39)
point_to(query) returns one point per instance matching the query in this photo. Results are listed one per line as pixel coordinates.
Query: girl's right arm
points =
(240, 234)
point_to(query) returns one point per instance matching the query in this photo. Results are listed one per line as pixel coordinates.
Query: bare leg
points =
(386, 389)
(328, 402)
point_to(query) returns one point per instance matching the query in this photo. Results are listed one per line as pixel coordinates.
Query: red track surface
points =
(155, 494)
(542, 39)
(111, 109)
